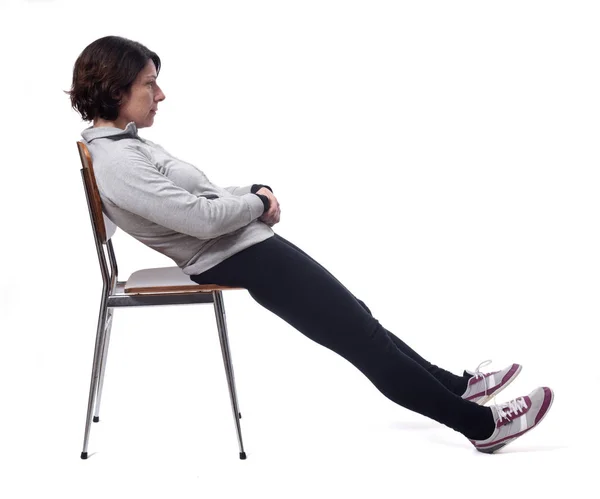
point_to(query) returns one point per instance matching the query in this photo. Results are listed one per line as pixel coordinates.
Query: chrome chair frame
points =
(114, 295)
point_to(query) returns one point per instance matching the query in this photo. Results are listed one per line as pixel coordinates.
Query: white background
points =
(439, 157)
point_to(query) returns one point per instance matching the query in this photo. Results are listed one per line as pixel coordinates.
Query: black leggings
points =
(289, 283)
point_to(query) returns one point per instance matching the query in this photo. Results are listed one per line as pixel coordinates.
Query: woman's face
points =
(140, 104)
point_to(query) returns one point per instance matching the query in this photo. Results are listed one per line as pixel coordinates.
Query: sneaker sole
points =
(484, 400)
(491, 450)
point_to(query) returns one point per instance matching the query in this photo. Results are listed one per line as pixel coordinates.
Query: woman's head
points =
(114, 80)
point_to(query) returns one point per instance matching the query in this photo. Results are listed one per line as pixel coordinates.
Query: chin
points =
(145, 124)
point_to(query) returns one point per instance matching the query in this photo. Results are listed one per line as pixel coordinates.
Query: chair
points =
(147, 287)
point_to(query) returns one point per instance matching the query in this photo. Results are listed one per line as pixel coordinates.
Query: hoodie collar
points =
(92, 133)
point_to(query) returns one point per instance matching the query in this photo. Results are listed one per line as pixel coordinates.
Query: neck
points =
(118, 123)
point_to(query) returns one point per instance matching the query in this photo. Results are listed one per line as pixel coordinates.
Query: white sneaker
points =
(482, 387)
(515, 418)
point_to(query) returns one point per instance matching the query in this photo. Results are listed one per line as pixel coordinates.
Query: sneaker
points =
(515, 418)
(482, 387)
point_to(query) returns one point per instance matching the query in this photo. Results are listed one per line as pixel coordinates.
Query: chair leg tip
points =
(84, 455)
(96, 419)
(242, 455)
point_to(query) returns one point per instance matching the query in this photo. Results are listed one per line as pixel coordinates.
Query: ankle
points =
(461, 383)
(486, 429)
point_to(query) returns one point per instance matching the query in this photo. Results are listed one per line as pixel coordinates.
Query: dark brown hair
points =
(104, 72)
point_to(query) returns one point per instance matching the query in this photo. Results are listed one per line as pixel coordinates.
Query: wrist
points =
(257, 187)
(265, 200)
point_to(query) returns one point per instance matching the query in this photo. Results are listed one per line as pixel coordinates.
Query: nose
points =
(160, 95)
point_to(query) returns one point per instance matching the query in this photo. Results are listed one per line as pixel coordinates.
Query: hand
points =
(270, 217)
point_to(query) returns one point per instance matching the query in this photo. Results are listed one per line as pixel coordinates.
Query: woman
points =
(224, 236)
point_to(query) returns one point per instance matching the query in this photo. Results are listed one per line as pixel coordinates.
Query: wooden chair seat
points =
(166, 280)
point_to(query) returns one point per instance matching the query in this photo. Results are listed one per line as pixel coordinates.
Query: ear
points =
(120, 96)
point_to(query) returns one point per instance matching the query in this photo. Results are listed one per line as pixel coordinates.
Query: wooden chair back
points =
(100, 222)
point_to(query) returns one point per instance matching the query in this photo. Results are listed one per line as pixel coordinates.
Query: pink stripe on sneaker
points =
(477, 379)
(510, 373)
(510, 437)
(547, 400)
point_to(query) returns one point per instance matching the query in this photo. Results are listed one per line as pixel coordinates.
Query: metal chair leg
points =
(108, 327)
(222, 327)
(100, 335)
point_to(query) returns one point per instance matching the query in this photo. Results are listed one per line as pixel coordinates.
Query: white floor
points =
(312, 424)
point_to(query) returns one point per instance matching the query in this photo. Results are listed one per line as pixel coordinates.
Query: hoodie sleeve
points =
(239, 191)
(134, 184)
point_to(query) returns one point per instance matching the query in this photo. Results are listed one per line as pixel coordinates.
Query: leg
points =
(456, 384)
(222, 327)
(302, 293)
(108, 328)
(100, 336)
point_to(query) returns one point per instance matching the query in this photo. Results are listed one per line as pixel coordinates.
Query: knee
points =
(362, 304)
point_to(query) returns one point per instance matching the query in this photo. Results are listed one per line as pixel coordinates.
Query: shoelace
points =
(478, 374)
(509, 408)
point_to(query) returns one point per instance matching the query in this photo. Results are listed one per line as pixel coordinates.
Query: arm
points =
(240, 191)
(235, 190)
(134, 184)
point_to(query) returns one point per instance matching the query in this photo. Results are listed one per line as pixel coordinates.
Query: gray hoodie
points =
(170, 205)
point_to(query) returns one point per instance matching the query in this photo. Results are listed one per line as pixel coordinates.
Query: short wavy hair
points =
(103, 74)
